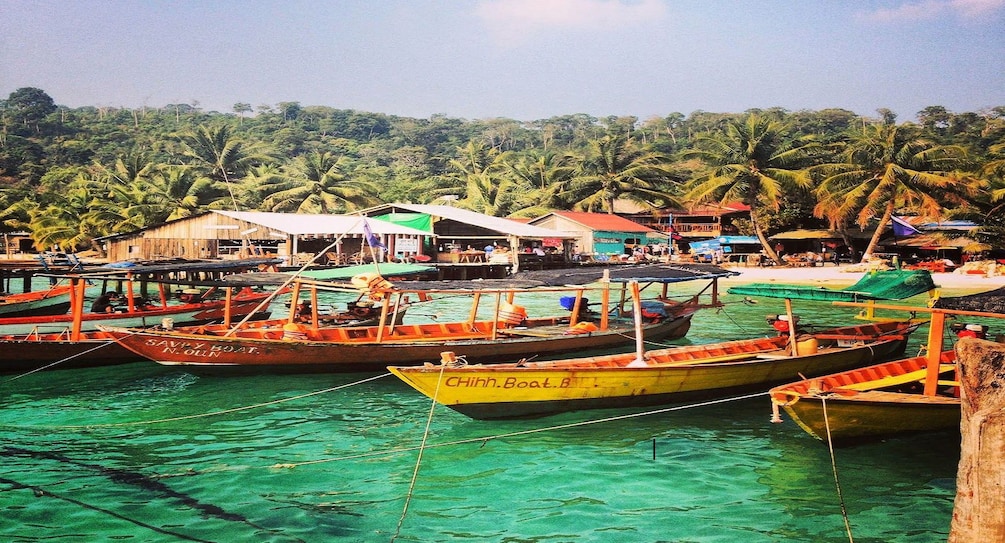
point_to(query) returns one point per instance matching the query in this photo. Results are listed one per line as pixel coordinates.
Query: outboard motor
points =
(781, 322)
(962, 330)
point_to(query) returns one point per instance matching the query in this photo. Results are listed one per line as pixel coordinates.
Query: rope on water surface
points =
(71, 357)
(223, 412)
(482, 440)
(418, 458)
(834, 469)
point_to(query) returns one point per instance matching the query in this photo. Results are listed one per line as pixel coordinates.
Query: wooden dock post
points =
(979, 509)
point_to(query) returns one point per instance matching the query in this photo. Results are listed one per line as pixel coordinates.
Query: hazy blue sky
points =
(523, 59)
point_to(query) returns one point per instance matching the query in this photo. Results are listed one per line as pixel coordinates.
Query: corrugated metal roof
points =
(498, 224)
(300, 224)
(604, 221)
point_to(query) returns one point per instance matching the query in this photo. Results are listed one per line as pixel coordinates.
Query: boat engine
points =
(962, 330)
(781, 322)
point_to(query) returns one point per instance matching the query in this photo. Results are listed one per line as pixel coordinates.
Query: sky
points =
(519, 59)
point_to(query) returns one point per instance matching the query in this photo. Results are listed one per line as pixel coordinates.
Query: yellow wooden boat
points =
(913, 395)
(526, 389)
(874, 402)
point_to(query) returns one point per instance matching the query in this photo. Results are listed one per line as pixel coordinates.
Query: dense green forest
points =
(70, 175)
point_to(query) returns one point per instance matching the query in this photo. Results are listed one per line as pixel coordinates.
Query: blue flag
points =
(903, 229)
(371, 239)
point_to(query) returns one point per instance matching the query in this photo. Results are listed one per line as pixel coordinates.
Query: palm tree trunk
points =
(759, 232)
(883, 221)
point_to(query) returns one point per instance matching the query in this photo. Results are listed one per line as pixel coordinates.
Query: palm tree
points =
(617, 169)
(885, 168)
(178, 191)
(751, 162)
(72, 224)
(316, 183)
(222, 157)
(476, 177)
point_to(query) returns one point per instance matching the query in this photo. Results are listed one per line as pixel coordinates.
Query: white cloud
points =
(930, 9)
(516, 19)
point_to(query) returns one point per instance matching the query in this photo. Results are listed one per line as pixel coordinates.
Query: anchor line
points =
(837, 482)
(216, 413)
(418, 458)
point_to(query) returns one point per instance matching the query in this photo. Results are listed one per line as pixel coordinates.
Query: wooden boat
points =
(204, 309)
(31, 352)
(678, 374)
(506, 334)
(53, 301)
(30, 343)
(874, 402)
(27, 352)
(912, 395)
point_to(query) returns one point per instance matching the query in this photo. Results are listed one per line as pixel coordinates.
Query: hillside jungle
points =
(70, 175)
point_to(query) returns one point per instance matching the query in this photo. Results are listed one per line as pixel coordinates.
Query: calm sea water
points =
(141, 452)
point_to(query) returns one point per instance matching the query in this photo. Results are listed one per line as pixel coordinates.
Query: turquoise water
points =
(141, 452)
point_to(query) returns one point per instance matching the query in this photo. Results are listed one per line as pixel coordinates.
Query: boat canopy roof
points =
(646, 273)
(876, 285)
(663, 273)
(992, 301)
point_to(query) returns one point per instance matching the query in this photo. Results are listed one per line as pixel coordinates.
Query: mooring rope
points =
(485, 439)
(481, 439)
(418, 458)
(71, 357)
(213, 413)
(834, 469)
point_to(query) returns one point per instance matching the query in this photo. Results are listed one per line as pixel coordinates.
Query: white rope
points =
(837, 482)
(418, 458)
(71, 357)
(213, 413)
(484, 439)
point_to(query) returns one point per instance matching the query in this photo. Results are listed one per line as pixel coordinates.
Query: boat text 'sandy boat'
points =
(671, 375)
(52, 301)
(504, 330)
(912, 395)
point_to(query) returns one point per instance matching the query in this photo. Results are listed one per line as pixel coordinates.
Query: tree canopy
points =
(73, 174)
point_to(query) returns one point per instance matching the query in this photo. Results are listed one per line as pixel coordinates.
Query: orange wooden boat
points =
(509, 333)
(31, 343)
(53, 301)
(302, 348)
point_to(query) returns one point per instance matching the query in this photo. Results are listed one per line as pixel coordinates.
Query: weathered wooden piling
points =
(979, 510)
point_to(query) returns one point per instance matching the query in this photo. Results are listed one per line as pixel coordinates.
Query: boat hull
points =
(55, 351)
(531, 390)
(859, 408)
(194, 313)
(208, 352)
(54, 301)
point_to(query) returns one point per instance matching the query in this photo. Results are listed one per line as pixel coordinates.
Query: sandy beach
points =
(842, 276)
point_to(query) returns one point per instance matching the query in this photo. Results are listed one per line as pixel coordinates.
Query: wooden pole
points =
(605, 300)
(294, 300)
(77, 305)
(640, 342)
(979, 509)
(792, 327)
(228, 299)
(936, 333)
